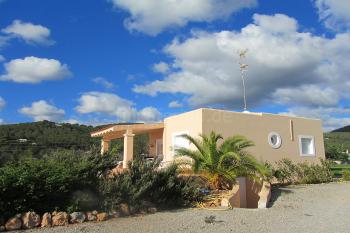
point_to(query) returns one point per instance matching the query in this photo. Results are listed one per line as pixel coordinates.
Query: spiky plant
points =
(221, 164)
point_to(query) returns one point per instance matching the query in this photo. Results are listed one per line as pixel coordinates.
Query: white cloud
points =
(149, 114)
(153, 16)
(102, 81)
(175, 104)
(161, 67)
(333, 117)
(1, 121)
(30, 33)
(113, 105)
(2, 58)
(334, 13)
(2, 103)
(34, 70)
(41, 110)
(285, 66)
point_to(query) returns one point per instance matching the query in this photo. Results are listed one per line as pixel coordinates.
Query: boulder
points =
(46, 220)
(91, 216)
(102, 217)
(124, 209)
(59, 219)
(77, 217)
(14, 223)
(30, 220)
(152, 210)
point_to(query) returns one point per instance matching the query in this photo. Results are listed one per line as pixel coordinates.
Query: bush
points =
(346, 175)
(336, 152)
(63, 180)
(145, 182)
(287, 172)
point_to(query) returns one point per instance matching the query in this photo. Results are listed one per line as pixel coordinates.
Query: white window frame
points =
(279, 140)
(173, 140)
(301, 147)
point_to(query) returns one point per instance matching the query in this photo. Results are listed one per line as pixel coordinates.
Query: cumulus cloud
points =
(34, 70)
(333, 117)
(2, 103)
(41, 110)
(161, 67)
(334, 13)
(175, 104)
(102, 81)
(285, 66)
(113, 105)
(30, 33)
(153, 16)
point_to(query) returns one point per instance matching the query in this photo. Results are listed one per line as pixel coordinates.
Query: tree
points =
(336, 152)
(221, 164)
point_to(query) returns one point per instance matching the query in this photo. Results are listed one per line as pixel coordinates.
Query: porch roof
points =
(116, 131)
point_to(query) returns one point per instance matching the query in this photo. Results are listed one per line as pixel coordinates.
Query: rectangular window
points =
(307, 145)
(179, 141)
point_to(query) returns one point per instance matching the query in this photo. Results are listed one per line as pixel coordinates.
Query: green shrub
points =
(287, 172)
(346, 175)
(63, 180)
(145, 182)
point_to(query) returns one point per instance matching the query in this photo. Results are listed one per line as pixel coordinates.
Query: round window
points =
(275, 140)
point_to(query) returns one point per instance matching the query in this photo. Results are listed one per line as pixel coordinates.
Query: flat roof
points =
(121, 128)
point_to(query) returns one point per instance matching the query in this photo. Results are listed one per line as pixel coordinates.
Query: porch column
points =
(104, 145)
(128, 147)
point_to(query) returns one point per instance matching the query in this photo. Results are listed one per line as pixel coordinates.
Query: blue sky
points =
(102, 61)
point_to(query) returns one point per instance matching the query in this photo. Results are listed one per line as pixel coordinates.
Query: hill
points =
(37, 138)
(343, 129)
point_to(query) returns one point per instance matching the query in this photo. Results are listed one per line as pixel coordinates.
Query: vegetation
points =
(71, 181)
(63, 180)
(338, 169)
(336, 152)
(221, 164)
(144, 182)
(346, 175)
(287, 172)
(41, 138)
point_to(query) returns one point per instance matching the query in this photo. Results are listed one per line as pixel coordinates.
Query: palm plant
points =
(221, 164)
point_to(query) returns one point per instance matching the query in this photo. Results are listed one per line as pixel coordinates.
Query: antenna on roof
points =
(243, 68)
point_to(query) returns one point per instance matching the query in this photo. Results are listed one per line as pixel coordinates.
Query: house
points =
(275, 136)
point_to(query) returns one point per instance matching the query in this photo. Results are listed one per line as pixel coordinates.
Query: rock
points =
(2, 228)
(124, 209)
(224, 202)
(14, 223)
(46, 220)
(59, 219)
(102, 217)
(152, 210)
(77, 217)
(114, 214)
(30, 220)
(91, 216)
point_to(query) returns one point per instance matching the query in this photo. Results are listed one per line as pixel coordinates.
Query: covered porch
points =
(127, 132)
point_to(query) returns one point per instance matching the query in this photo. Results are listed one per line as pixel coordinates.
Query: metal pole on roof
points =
(243, 68)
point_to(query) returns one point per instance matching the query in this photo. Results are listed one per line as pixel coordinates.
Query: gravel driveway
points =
(311, 208)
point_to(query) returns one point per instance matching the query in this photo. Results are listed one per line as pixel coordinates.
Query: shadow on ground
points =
(276, 192)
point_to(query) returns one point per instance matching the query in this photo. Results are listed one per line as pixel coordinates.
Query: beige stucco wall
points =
(255, 127)
(189, 122)
(153, 136)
